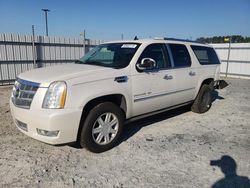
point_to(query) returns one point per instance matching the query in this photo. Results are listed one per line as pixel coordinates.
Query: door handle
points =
(191, 73)
(168, 77)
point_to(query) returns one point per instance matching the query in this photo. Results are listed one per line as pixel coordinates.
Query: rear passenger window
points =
(205, 55)
(180, 55)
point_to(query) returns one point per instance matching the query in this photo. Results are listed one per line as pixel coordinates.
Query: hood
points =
(47, 75)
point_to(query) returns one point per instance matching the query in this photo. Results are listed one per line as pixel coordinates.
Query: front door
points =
(153, 89)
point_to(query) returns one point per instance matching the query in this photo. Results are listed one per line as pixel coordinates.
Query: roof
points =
(160, 40)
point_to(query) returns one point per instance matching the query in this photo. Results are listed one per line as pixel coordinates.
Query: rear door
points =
(185, 74)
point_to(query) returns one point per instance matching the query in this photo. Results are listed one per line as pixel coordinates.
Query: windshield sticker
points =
(129, 46)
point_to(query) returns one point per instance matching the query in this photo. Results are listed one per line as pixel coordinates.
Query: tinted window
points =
(205, 55)
(180, 55)
(158, 53)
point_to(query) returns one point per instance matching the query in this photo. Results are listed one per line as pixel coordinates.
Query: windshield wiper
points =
(94, 63)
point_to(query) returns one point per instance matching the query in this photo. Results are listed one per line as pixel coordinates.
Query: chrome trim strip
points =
(27, 91)
(25, 99)
(163, 94)
(141, 94)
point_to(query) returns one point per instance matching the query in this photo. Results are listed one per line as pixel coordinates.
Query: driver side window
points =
(158, 53)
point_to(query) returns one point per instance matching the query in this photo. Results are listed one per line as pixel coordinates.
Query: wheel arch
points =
(208, 81)
(117, 99)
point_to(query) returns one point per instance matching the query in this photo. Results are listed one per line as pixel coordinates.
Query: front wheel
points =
(102, 127)
(203, 101)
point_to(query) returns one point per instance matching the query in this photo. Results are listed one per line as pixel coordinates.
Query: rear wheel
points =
(102, 127)
(203, 100)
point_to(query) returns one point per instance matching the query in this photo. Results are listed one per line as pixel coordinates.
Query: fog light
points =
(47, 133)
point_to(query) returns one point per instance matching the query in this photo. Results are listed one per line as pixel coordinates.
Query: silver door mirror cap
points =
(146, 64)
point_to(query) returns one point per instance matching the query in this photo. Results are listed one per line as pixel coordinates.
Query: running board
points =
(157, 112)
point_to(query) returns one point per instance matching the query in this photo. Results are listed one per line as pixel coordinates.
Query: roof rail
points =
(182, 40)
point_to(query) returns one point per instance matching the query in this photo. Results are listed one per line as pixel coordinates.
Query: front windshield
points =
(114, 55)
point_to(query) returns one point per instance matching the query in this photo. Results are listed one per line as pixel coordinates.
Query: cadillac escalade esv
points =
(89, 101)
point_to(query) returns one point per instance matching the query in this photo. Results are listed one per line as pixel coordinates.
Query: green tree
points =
(220, 39)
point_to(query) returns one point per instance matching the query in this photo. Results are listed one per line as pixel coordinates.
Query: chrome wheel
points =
(105, 128)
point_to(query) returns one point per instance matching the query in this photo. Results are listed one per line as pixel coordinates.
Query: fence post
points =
(84, 41)
(228, 55)
(83, 34)
(33, 46)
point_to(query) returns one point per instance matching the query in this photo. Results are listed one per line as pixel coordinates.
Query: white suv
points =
(90, 100)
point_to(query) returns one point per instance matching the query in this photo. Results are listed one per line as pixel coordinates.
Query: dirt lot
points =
(171, 149)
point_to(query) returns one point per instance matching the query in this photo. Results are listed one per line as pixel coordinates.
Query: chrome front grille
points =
(23, 93)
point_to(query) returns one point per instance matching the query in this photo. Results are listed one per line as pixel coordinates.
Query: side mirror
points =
(146, 64)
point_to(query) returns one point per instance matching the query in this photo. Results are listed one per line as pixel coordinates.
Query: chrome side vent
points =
(121, 79)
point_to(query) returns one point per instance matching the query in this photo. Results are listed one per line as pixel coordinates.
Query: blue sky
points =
(108, 19)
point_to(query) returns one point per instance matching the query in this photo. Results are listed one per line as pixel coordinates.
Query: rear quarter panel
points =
(203, 71)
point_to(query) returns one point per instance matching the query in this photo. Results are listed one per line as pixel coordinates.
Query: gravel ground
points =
(172, 149)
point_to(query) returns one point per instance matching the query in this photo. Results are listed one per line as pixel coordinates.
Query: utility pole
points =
(33, 46)
(46, 20)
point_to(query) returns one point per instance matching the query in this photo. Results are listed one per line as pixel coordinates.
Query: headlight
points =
(56, 95)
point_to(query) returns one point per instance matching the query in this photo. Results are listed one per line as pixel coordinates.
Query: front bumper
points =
(66, 121)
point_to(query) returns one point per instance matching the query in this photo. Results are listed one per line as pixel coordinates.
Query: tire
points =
(98, 134)
(203, 101)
